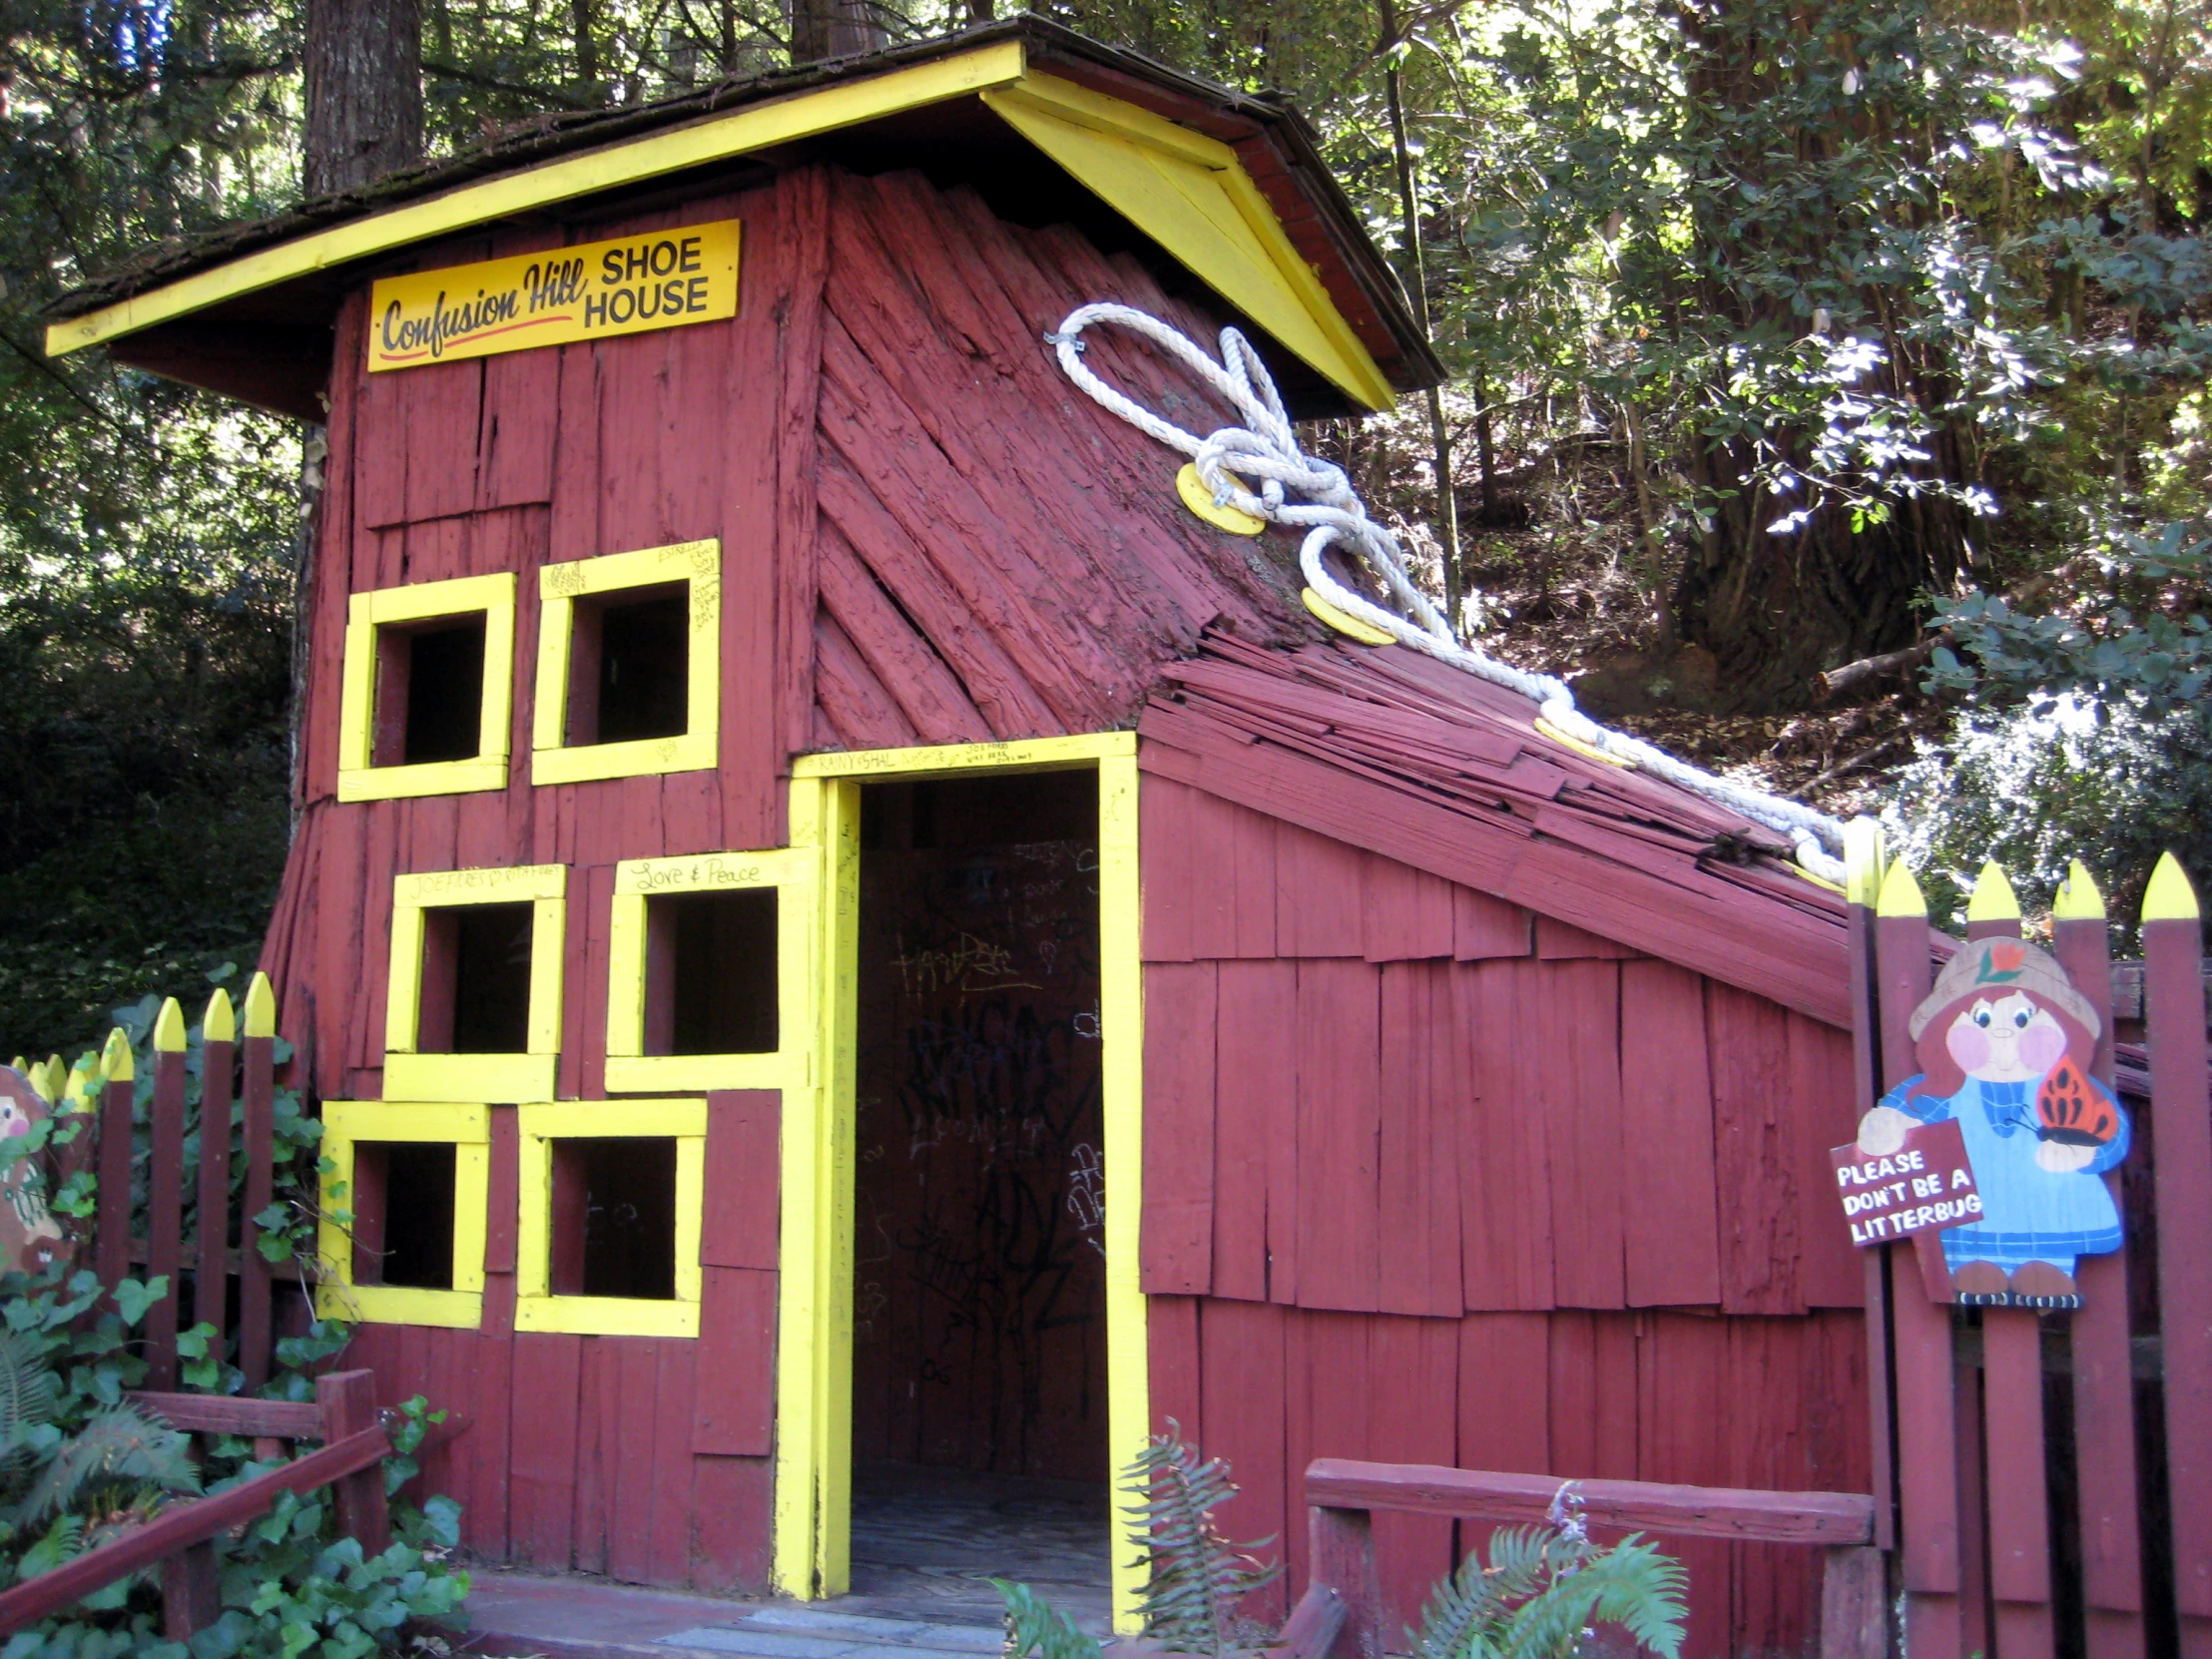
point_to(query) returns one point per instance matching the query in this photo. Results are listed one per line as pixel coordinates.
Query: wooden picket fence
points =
(343, 1415)
(233, 1071)
(2043, 1481)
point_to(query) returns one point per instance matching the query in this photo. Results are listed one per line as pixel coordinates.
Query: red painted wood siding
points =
(1441, 1183)
(1336, 1128)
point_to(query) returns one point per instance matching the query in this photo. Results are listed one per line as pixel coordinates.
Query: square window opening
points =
(403, 1199)
(613, 1216)
(429, 691)
(476, 995)
(630, 666)
(711, 973)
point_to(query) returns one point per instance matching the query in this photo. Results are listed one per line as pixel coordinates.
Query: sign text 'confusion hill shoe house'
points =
(661, 280)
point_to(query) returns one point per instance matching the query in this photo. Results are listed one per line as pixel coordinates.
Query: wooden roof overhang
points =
(1401, 755)
(1218, 190)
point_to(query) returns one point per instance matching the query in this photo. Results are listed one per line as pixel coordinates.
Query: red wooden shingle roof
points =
(999, 557)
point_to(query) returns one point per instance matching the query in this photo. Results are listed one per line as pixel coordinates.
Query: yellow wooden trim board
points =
(1192, 197)
(698, 564)
(359, 780)
(813, 1386)
(710, 138)
(505, 1078)
(1017, 754)
(536, 1306)
(346, 1123)
(593, 290)
(630, 1070)
(1121, 1031)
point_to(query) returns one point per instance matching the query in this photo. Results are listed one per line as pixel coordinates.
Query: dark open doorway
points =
(979, 1347)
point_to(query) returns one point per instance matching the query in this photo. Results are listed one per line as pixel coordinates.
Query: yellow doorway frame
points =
(813, 1342)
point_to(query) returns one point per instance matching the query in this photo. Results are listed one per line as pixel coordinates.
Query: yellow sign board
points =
(660, 279)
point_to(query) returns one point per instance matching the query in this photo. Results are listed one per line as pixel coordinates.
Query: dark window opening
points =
(402, 1204)
(476, 995)
(629, 673)
(430, 691)
(711, 985)
(613, 1216)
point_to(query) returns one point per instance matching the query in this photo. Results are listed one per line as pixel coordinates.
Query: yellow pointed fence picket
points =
(224, 1275)
(1975, 1408)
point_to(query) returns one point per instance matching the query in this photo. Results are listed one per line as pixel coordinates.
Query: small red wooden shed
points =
(800, 828)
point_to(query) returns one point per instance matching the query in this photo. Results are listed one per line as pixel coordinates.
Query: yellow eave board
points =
(1194, 198)
(712, 138)
(1185, 191)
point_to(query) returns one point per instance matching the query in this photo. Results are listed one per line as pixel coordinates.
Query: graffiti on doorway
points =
(980, 1341)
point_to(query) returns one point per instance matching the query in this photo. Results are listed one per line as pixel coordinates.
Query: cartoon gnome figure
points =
(30, 1238)
(2006, 1043)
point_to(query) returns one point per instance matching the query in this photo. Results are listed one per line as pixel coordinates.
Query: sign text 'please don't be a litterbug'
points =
(661, 279)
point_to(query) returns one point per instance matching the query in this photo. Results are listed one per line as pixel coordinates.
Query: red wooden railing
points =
(1340, 1615)
(344, 1416)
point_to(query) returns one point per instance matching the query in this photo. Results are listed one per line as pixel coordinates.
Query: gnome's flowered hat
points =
(1996, 967)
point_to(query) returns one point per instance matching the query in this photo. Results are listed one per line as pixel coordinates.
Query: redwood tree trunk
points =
(835, 28)
(363, 91)
(1776, 610)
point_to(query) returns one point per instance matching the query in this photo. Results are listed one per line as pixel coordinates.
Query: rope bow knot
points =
(1258, 468)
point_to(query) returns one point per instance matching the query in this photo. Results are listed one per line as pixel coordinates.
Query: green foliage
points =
(1037, 1630)
(1542, 1589)
(78, 1465)
(1194, 1578)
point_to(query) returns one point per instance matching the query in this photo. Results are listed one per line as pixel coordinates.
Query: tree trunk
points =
(835, 28)
(363, 91)
(1776, 610)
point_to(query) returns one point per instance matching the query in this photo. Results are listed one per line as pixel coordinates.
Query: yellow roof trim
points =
(715, 138)
(1192, 197)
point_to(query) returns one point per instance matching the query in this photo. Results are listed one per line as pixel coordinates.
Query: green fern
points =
(119, 1450)
(29, 1391)
(1543, 1587)
(1037, 1627)
(1194, 1578)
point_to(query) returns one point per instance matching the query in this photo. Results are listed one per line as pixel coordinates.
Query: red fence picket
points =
(2175, 1010)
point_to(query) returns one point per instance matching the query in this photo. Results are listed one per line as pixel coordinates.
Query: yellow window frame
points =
(630, 1070)
(501, 1078)
(345, 1124)
(695, 563)
(811, 1550)
(358, 779)
(536, 1306)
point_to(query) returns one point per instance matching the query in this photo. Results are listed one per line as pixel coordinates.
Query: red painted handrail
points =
(182, 1525)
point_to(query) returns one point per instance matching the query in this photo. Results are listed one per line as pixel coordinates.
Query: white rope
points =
(1259, 469)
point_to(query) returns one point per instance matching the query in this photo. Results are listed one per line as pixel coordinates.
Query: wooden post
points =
(218, 1054)
(1928, 1453)
(192, 1592)
(111, 1215)
(1342, 1558)
(2173, 1005)
(2104, 1370)
(260, 1191)
(1864, 861)
(1855, 1605)
(165, 1195)
(348, 1401)
(2017, 1511)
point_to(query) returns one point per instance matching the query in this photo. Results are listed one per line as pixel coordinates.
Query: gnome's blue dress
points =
(2028, 1213)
